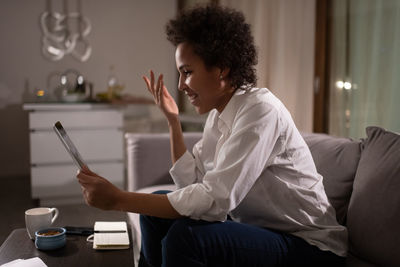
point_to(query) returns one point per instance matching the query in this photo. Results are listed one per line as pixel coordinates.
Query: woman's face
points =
(204, 87)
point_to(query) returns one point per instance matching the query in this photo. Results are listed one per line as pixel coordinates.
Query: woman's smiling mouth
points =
(192, 96)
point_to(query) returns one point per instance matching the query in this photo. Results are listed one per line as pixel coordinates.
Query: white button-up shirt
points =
(253, 164)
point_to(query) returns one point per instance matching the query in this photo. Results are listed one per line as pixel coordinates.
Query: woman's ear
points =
(224, 80)
(224, 73)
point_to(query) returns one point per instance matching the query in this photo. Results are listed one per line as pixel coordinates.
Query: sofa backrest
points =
(373, 218)
(149, 158)
(336, 160)
(362, 181)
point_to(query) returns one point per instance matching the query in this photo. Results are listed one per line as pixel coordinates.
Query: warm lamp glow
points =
(339, 84)
(40, 93)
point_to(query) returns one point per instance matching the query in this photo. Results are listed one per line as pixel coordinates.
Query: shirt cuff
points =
(193, 202)
(183, 172)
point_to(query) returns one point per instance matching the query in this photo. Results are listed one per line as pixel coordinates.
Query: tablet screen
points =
(62, 134)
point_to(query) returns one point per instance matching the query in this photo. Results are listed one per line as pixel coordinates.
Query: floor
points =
(15, 198)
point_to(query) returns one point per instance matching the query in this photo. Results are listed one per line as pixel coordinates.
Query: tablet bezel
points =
(69, 146)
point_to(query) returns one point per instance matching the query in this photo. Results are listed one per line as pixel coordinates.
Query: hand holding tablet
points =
(62, 134)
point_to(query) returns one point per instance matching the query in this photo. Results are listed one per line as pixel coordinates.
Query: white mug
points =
(39, 218)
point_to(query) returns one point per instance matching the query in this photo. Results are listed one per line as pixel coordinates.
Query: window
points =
(357, 65)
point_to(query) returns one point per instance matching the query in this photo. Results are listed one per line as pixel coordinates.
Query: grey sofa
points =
(361, 179)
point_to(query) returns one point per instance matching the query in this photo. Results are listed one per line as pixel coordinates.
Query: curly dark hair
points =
(221, 37)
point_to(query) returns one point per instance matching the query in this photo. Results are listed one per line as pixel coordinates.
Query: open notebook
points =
(110, 235)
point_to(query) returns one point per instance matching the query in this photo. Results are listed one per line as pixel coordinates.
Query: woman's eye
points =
(187, 73)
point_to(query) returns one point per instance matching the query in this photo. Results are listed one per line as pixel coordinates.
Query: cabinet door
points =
(44, 120)
(93, 145)
(59, 181)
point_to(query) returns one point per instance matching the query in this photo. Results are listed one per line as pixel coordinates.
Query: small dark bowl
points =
(46, 241)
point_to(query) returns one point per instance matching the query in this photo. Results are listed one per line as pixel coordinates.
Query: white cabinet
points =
(95, 129)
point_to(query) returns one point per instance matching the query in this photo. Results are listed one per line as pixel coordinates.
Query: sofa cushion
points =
(373, 218)
(336, 160)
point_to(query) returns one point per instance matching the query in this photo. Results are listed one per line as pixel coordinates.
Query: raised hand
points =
(161, 96)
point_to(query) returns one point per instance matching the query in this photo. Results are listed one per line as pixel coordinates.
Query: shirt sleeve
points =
(185, 171)
(189, 168)
(240, 161)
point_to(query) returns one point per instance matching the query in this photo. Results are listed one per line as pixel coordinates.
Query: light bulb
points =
(347, 85)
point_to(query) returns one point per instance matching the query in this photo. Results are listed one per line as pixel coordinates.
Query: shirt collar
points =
(226, 117)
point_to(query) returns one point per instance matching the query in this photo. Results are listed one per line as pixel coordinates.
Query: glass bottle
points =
(112, 82)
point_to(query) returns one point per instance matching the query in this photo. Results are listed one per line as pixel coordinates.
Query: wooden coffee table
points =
(77, 252)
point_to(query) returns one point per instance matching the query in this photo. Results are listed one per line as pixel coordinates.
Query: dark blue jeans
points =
(191, 243)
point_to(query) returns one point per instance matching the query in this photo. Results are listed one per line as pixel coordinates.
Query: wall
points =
(128, 34)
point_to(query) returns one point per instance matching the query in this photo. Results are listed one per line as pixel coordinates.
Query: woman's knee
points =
(144, 219)
(179, 235)
(181, 246)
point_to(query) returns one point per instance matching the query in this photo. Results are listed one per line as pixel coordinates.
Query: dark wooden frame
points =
(321, 66)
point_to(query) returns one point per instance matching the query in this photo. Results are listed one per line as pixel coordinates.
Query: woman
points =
(249, 194)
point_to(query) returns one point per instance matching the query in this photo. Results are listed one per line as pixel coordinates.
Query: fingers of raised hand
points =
(152, 80)
(157, 89)
(161, 92)
(147, 81)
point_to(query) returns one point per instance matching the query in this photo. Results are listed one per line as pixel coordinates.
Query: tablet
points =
(62, 134)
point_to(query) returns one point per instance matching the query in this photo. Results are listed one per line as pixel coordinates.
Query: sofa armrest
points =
(149, 158)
